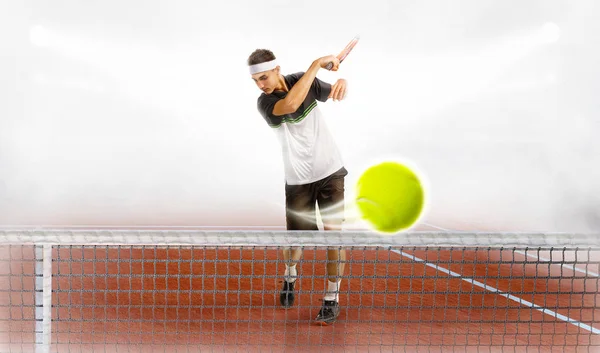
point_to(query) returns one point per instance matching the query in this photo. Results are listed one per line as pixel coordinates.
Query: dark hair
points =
(260, 56)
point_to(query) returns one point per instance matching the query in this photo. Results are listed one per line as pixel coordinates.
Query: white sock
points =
(333, 290)
(290, 273)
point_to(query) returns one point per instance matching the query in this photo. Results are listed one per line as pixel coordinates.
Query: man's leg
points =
(300, 215)
(331, 205)
(291, 257)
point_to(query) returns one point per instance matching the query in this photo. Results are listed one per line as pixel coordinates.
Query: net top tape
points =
(198, 237)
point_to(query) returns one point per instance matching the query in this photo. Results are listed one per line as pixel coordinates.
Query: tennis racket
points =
(341, 56)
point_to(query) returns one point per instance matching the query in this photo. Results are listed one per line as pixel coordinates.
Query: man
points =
(314, 170)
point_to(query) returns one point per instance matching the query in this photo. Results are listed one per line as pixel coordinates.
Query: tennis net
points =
(188, 290)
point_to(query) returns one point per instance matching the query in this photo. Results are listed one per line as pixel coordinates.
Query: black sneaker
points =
(329, 312)
(287, 294)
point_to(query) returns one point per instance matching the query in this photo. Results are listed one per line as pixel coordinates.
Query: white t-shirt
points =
(309, 150)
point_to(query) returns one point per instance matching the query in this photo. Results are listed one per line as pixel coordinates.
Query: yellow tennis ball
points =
(390, 197)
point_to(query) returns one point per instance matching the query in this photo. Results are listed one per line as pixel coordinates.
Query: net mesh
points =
(190, 290)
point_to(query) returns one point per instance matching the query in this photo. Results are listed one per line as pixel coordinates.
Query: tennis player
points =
(313, 166)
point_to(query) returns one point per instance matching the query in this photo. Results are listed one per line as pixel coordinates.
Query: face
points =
(267, 81)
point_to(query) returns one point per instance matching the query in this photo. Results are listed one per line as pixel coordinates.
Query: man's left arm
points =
(338, 90)
(324, 90)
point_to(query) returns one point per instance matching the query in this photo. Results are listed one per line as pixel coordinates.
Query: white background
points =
(143, 112)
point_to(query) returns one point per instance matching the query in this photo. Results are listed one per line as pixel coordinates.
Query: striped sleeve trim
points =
(298, 119)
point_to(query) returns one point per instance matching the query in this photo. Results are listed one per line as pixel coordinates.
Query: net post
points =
(43, 297)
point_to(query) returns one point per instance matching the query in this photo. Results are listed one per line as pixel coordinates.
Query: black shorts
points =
(301, 200)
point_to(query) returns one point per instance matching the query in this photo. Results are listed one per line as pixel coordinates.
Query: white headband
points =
(269, 65)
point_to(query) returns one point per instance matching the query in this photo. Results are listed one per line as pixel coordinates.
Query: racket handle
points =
(329, 66)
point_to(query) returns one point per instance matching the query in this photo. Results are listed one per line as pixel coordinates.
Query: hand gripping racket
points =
(341, 56)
